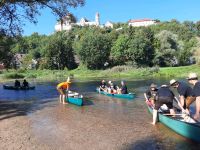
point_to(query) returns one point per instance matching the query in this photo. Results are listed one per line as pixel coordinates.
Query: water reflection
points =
(114, 123)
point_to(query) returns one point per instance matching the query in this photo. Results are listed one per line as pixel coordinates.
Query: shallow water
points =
(102, 123)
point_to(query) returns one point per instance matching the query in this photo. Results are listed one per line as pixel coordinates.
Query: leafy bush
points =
(14, 76)
(22, 70)
(118, 69)
(155, 69)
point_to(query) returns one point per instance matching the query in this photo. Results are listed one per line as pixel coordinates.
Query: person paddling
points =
(17, 84)
(63, 89)
(112, 88)
(123, 89)
(185, 94)
(193, 79)
(25, 84)
(103, 86)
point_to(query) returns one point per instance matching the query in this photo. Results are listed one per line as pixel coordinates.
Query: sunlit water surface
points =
(103, 122)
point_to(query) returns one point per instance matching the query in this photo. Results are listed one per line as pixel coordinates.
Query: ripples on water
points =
(124, 116)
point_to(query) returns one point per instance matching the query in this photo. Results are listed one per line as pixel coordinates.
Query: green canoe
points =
(76, 100)
(188, 130)
(126, 96)
(9, 87)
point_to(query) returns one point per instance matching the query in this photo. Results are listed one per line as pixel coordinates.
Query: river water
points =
(102, 123)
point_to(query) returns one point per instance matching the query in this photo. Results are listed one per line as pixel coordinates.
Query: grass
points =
(117, 72)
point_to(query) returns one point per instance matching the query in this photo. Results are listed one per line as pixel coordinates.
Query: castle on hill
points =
(68, 24)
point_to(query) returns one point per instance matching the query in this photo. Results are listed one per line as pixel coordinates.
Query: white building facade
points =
(68, 25)
(141, 22)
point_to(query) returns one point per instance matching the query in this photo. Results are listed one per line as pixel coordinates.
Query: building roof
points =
(139, 20)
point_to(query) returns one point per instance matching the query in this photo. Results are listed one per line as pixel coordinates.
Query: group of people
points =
(63, 89)
(112, 88)
(187, 95)
(25, 84)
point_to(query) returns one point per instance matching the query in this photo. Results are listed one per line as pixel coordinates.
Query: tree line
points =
(165, 44)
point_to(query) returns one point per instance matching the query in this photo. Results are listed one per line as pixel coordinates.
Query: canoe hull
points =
(75, 100)
(125, 96)
(8, 87)
(188, 130)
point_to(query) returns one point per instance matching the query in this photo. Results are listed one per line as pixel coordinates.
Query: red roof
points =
(139, 20)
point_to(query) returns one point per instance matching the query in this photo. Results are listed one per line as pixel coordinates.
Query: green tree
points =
(119, 50)
(198, 27)
(93, 49)
(168, 46)
(59, 52)
(141, 51)
(5, 50)
(14, 12)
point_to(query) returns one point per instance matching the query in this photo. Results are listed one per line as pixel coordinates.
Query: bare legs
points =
(155, 114)
(62, 99)
(196, 116)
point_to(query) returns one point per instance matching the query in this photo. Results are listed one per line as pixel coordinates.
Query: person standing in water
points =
(185, 93)
(63, 89)
(193, 79)
(150, 94)
(164, 96)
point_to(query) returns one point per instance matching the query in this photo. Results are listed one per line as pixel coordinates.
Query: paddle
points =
(179, 104)
(184, 109)
(173, 114)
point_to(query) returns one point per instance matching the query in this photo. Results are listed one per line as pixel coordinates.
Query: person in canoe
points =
(63, 89)
(150, 94)
(193, 79)
(123, 89)
(103, 86)
(164, 96)
(25, 84)
(17, 84)
(185, 93)
(112, 88)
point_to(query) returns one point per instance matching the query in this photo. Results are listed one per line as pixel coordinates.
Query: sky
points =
(121, 11)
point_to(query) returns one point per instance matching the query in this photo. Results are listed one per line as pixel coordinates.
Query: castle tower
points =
(97, 19)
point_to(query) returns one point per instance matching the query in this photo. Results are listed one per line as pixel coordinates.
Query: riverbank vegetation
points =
(115, 73)
(87, 52)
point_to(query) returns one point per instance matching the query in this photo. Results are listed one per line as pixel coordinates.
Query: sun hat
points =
(68, 80)
(109, 82)
(173, 81)
(192, 76)
(153, 85)
(164, 85)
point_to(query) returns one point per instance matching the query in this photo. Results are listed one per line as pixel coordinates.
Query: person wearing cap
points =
(164, 96)
(185, 93)
(112, 88)
(193, 79)
(123, 89)
(103, 86)
(150, 94)
(63, 89)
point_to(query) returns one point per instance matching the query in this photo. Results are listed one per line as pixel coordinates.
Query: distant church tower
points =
(97, 19)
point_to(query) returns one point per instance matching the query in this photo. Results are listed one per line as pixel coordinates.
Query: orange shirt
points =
(63, 85)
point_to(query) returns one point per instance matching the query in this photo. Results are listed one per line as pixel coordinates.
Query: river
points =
(102, 123)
